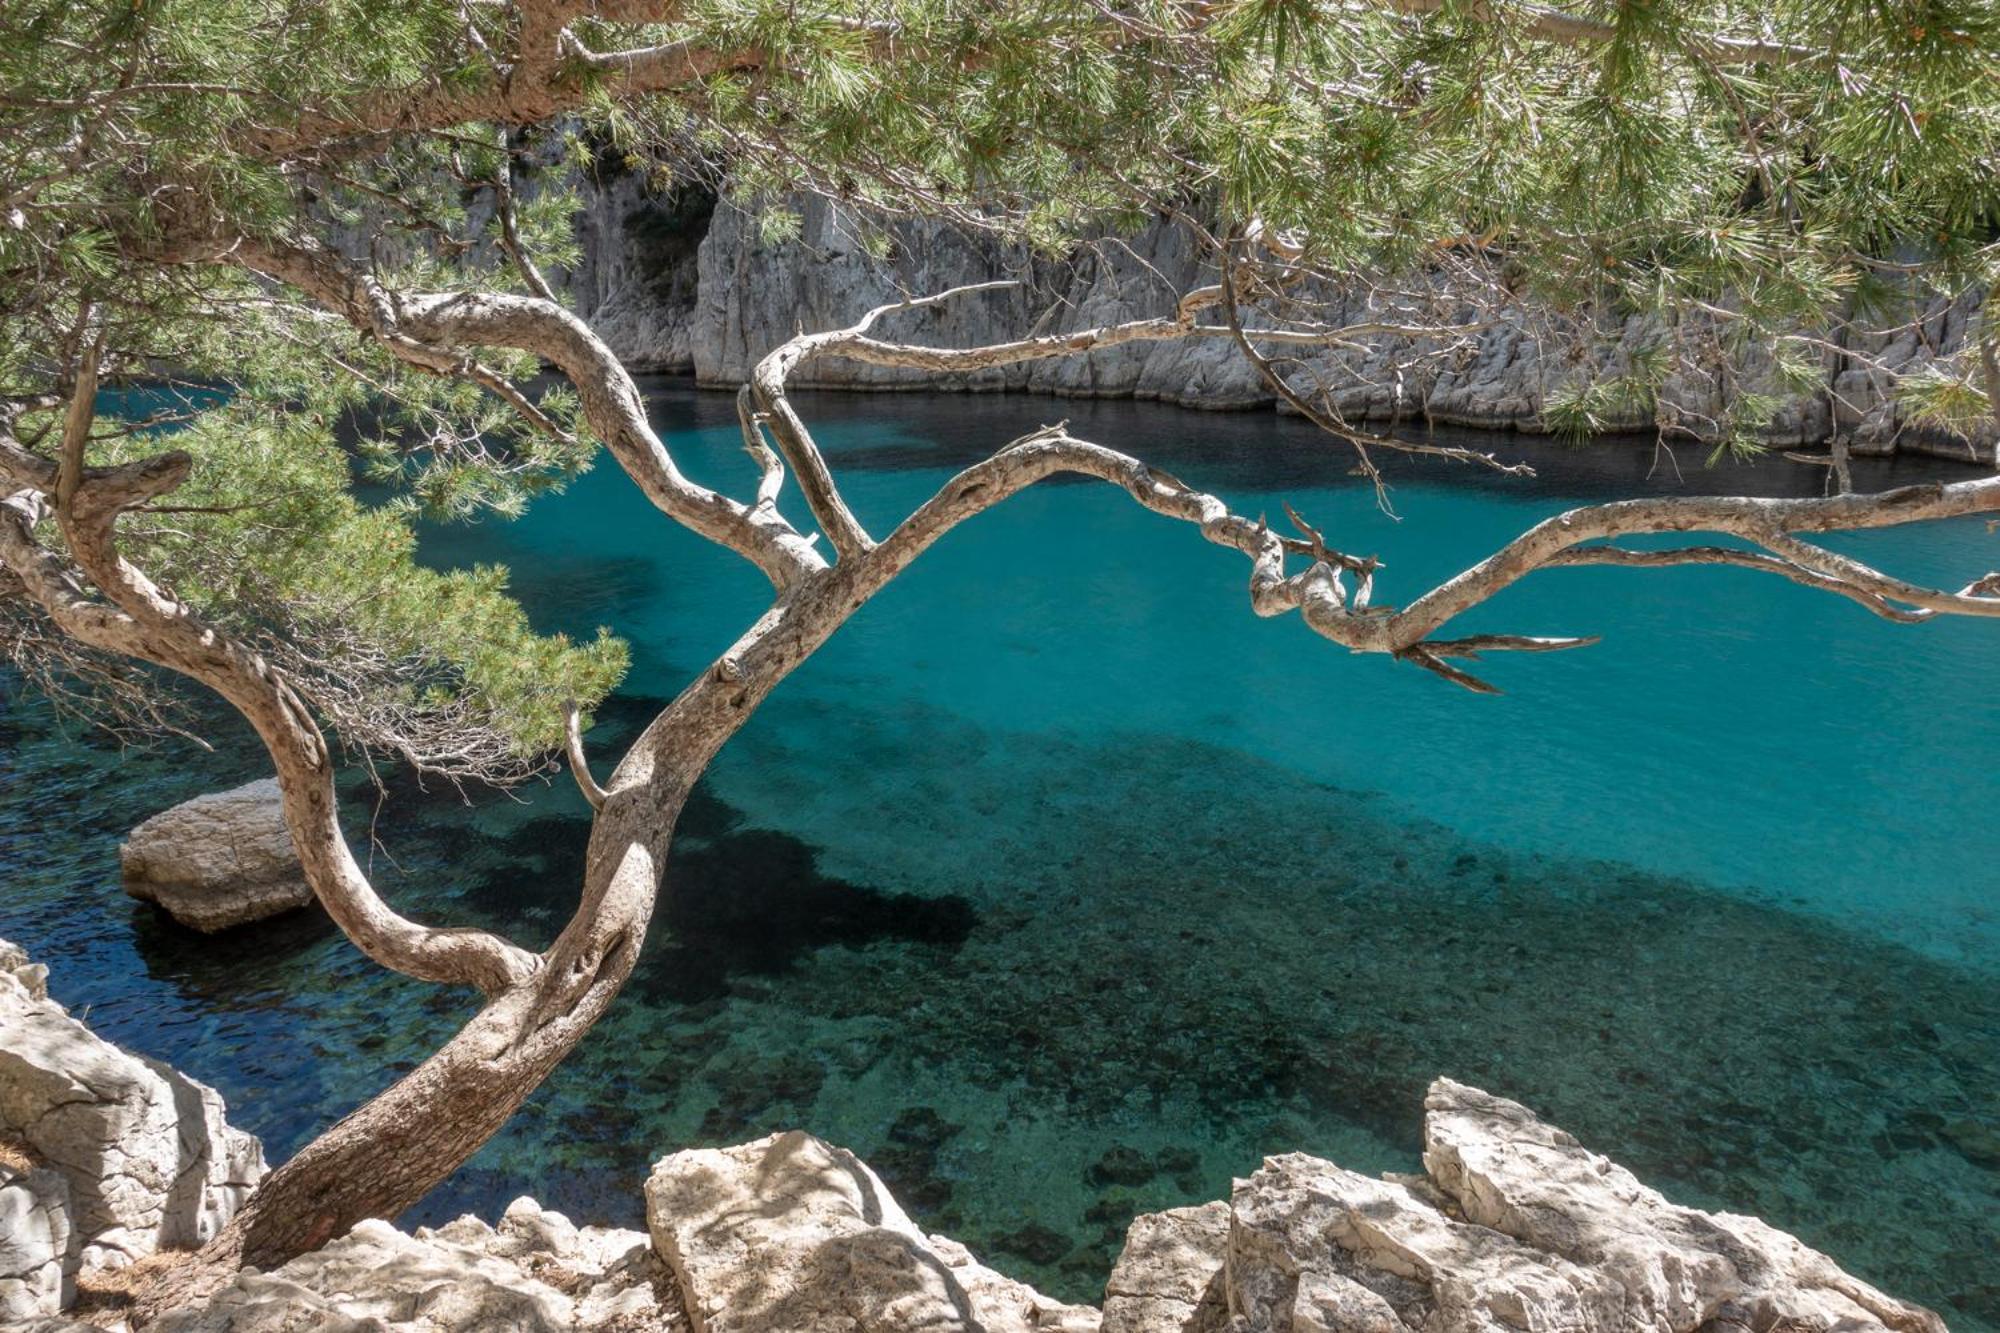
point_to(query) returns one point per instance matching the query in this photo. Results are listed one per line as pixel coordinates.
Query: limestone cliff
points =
(683, 283)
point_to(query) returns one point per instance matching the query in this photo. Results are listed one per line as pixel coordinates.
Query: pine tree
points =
(255, 255)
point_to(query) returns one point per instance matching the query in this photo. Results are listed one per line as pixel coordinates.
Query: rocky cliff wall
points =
(679, 283)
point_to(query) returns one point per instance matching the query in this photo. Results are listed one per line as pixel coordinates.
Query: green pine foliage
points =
(1608, 157)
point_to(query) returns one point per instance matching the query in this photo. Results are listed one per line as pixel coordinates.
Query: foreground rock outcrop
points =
(219, 860)
(533, 1273)
(108, 1156)
(791, 1233)
(1516, 1226)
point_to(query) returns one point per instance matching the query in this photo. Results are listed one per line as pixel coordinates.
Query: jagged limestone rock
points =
(1315, 1247)
(1682, 1268)
(1518, 1227)
(534, 1273)
(676, 287)
(793, 1235)
(1169, 1276)
(149, 1159)
(219, 860)
(37, 1244)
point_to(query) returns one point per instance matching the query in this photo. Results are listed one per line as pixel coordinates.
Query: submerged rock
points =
(1516, 1228)
(145, 1157)
(534, 1273)
(792, 1235)
(217, 861)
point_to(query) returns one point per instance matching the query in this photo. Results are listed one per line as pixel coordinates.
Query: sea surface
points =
(1062, 887)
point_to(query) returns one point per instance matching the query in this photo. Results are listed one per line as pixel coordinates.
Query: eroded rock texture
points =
(37, 1253)
(1517, 1227)
(534, 1273)
(141, 1156)
(679, 282)
(219, 860)
(792, 1235)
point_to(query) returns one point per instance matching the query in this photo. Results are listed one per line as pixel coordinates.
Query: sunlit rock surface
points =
(680, 282)
(1517, 1226)
(792, 1235)
(37, 1256)
(146, 1159)
(1679, 1268)
(1169, 1276)
(219, 860)
(534, 1273)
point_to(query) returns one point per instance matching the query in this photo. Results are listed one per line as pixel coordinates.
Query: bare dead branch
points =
(579, 762)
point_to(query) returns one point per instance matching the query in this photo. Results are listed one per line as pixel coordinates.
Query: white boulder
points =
(37, 1250)
(1516, 1229)
(1502, 1167)
(793, 1235)
(1169, 1276)
(218, 860)
(148, 1159)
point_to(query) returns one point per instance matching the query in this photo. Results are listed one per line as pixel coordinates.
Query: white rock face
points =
(792, 1235)
(37, 1250)
(1517, 1228)
(219, 860)
(1680, 1267)
(146, 1155)
(535, 1273)
(1169, 1277)
(1315, 1247)
(664, 304)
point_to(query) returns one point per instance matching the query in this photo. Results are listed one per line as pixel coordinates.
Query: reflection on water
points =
(1061, 887)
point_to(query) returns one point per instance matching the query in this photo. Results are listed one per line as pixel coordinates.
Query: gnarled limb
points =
(138, 619)
(1321, 596)
(435, 330)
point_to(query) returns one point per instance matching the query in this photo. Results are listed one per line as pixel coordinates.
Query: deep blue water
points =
(1060, 886)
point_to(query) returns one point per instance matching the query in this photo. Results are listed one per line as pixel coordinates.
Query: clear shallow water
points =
(1060, 886)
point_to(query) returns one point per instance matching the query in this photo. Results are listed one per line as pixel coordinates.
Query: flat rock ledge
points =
(105, 1157)
(219, 860)
(533, 1273)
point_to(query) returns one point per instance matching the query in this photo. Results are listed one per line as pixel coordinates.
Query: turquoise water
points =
(1060, 886)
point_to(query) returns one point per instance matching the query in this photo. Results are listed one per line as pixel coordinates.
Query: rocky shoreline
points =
(681, 283)
(1513, 1226)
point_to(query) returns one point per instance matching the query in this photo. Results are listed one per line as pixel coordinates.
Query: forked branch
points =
(1321, 595)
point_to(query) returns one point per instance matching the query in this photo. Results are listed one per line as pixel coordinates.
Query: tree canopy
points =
(276, 279)
(1749, 176)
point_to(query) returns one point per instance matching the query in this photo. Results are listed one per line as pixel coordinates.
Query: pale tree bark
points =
(390, 1152)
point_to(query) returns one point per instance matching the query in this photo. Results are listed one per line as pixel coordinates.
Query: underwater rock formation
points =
(217, 861)
(534, 1273)
(795, 1235)
(144, 1155)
